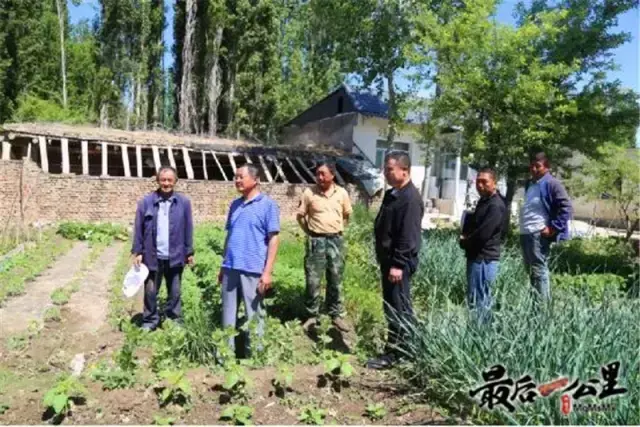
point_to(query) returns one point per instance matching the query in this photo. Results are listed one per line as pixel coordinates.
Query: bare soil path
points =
(18, 312)
(89, 306)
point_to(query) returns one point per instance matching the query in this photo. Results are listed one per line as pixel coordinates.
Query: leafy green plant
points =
(4, 408)
(175, 388)
(312, 415)
(337, 369)
(160, 420)
(113, 377)
(60, 296)
(224, 352)
(375, 411)
(236, 382)
(94, 233)
(61, 397)
(593, 286)
(237, 414)
(283, 380)
(324, 339)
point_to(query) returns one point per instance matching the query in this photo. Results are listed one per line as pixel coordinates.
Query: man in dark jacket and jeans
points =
(398, 237)
(480, 240)
(163, 241)
(544, 218)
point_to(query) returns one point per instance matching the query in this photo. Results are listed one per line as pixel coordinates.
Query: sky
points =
(626, 56)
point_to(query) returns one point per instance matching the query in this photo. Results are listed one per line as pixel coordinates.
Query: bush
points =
(595, 255)
(94, 233)
(594, 287)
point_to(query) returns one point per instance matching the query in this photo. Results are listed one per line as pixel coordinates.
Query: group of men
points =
(163, 241)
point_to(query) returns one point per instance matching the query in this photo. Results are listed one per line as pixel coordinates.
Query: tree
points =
(615, 175)
(372, 39)
(507, 94)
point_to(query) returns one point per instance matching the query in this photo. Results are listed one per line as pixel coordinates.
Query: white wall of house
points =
(370, 130)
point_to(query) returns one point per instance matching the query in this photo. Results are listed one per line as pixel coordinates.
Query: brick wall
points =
(52, 198)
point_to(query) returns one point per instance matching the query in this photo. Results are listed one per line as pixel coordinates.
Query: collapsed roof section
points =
(58, 148)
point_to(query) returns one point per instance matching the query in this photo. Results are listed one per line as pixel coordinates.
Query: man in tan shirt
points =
(323, 213)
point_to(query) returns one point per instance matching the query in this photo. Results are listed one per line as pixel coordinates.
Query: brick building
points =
(51, 173)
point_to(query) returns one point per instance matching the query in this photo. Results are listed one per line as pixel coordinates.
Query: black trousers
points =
(398, 308)
(173, 309)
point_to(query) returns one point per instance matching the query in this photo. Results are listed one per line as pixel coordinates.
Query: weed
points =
(61, 397)
(175, 388)
(52, 314)
(113, 377)
(160, 420)
(4, 408)
(60, 296)
(375, 411)
(312, 415)
(238, 414)
(25, 266)
(17, 342)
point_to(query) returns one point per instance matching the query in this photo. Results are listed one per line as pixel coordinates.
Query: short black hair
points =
(489, 171)
(253, 170)
(401, 157)
(329, 165)
(165, 168)
(539, 156)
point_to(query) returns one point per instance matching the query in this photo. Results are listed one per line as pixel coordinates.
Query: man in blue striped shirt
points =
(250, 251)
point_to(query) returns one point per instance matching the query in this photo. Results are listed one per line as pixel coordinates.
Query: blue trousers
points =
(535, 250)
(239, 286)
(173, 309)
(480, 276)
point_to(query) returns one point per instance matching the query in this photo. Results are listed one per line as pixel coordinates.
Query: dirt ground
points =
(18, 312)
(27, 373)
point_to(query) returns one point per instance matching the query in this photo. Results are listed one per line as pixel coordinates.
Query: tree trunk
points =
(188, 58)
(214, 84)
(512, 187)
(138, 101)
(104, 115)
(391, 114)
(63, 59)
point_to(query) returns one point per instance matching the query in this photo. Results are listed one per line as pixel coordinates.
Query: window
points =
(381, 150)
(340, 105)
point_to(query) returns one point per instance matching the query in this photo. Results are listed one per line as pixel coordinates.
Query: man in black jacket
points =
(480, 240)
(398, 237)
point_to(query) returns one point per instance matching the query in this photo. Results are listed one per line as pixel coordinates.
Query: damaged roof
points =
(158, 138)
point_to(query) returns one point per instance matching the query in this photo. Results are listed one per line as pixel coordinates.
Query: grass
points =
(25, 266)
(574, 336)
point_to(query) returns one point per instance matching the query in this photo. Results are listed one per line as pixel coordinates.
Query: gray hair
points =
(166, 168)
(253, 170)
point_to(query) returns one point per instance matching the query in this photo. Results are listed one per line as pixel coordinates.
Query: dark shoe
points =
(309, 323)
(385, 361)
(341, 324)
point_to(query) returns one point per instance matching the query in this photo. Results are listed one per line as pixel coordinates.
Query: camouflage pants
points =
(324, 255)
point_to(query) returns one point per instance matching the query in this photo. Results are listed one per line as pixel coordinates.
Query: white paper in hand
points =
(134, 279)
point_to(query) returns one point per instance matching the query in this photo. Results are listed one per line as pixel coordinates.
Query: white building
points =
(357, 122)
